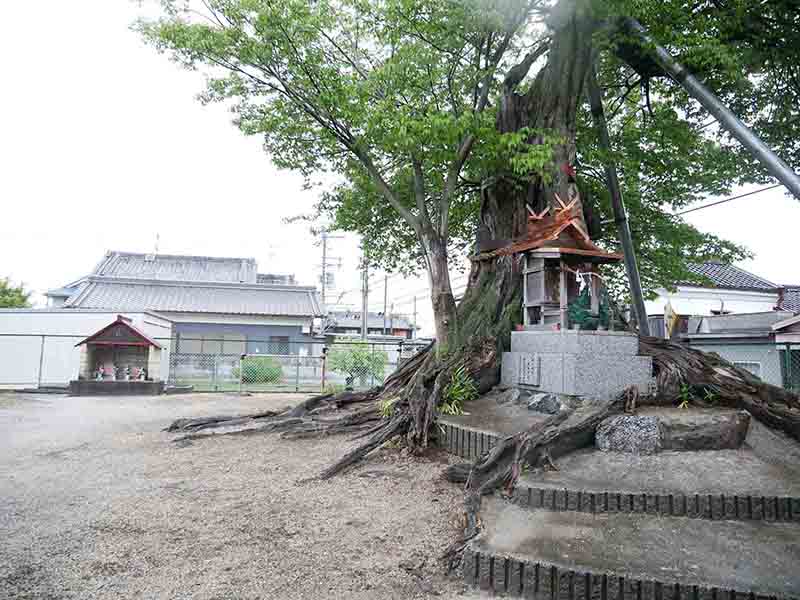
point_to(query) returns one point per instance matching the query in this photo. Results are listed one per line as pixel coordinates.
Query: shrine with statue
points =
(118, 359)
(565, 344)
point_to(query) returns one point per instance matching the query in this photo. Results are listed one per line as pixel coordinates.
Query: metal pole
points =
(324, 361)
(297, 374)
(241, 372)
(787, 360)
(771, 161)
(617, 204)
(414, 325)
(385, 300)
(364, 298)
(324, 263)
(372, 368)
(41, 362)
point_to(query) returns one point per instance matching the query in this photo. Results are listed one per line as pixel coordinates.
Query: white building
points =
(728, 290)
(37, 346)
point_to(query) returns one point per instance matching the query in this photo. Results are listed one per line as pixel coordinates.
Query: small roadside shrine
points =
(119, 359)
(557, 253)
(563, 345)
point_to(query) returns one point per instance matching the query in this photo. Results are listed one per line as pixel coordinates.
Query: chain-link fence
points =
(298, 366)
(32, 360)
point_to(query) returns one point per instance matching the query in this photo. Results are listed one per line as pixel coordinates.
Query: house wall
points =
(765, 355)
(687, 300)
(47, 337)
(240, 338)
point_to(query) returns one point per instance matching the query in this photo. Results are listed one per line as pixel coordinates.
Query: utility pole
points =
(364, 297)
(414, 324)
(385, 300)
(618, 206)
(327, 261)
(324, 263)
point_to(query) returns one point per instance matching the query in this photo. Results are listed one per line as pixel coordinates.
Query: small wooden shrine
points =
(118, 359)
(556, 253)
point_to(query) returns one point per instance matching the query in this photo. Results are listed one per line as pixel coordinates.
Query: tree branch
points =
(419, 191)
(384, 188)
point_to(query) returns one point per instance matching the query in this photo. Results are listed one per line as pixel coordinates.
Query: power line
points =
(758, 191)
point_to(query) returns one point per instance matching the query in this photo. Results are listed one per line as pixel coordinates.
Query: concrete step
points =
(550, 555)
(719, 484)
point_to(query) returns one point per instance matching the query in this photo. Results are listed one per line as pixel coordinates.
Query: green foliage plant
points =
(12, 296)
(460, 390)
(259, 369)
(357, 359)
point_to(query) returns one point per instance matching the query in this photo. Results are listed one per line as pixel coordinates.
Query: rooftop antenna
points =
(152, 257)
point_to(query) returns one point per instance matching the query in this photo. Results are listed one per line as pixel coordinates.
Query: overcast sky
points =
(103, 145)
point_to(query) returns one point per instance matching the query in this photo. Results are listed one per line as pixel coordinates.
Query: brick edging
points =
(464, 442)
(543, 581)
(696, 506)
(470, 444)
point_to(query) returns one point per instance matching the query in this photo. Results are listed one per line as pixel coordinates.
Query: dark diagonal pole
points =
(617, 205)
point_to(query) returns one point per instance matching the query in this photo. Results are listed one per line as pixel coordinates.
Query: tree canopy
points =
(12, 296)
(399, 98)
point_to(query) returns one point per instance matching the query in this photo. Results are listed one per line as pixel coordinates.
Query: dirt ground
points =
(97, 502)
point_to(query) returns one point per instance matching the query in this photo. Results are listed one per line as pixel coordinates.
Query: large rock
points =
(633, 434)
(709, 429)
(509, 396)
(545, 403)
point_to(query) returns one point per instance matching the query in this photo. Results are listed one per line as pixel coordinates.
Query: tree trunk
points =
(475, 334)
(492, 303)
(444, 305)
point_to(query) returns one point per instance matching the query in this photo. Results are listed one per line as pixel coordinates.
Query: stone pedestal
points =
(596, 364)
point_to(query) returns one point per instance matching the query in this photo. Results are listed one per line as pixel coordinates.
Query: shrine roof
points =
(120, 332)
(562, 232)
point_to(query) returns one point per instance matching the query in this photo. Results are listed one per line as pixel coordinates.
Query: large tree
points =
(13, 296)
(395, 95)
(449, 120)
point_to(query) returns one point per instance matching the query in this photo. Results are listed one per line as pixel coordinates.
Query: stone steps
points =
(717, 485)
(674, 525)
(550, 555)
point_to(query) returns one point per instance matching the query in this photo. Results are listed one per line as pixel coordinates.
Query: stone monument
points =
(548, 352)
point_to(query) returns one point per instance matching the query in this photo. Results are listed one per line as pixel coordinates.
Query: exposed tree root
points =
(501, 466)
(713, 381)
(678, 369)
(417, 389)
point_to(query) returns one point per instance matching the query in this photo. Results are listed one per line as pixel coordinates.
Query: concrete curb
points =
(470, 444)
(542, 581)
(464, 442)
(715, 507)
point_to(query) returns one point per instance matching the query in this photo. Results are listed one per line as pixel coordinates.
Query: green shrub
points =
(333, 388)
(386, 407)
(357, 360)
(260, 369)
(460, 390)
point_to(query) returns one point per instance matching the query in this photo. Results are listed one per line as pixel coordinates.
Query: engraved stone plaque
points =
(529, 369)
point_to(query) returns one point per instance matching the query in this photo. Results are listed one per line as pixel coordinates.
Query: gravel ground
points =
(97, 502)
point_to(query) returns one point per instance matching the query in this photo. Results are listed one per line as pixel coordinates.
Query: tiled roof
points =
(352, 320)
(275, 279)
(727, 276)
(180, 296)
(790, 299)
(177, 268)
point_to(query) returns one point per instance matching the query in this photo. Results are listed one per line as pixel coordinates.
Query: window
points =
(212, 343)
(753, 367)
(278, 344)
